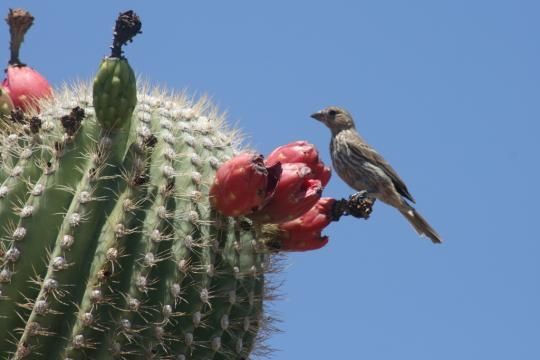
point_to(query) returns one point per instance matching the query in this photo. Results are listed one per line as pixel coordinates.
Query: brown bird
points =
(363, 169)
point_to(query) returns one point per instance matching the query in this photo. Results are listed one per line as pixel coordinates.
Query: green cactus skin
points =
(6, 105)
(109, 246)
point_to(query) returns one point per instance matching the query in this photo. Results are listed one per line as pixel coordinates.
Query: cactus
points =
(109, 246)
(120, 238)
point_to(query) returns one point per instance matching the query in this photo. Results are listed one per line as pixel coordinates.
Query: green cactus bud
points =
(115, 90)
(115, 93)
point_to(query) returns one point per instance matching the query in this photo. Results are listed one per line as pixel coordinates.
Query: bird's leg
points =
(359, 205)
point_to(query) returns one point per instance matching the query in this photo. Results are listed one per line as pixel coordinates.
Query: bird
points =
(364, 169)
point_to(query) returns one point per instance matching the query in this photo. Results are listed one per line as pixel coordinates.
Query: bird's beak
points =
(319, 115)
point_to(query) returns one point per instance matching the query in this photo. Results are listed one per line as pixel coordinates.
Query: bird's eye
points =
(332, 112)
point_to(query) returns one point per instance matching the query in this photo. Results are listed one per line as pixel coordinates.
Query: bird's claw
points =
(359, 205)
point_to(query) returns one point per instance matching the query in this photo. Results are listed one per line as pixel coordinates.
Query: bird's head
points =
(335, 118)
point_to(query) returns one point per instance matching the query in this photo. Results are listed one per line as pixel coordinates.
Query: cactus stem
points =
(128, 25)
(19, 21)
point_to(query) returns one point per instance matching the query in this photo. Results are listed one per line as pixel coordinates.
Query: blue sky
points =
(447, 91)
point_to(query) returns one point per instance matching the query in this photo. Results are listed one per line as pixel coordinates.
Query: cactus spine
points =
(109, 246)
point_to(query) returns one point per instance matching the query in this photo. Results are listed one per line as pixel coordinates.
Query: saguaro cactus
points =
(117, 238)
(109, 246)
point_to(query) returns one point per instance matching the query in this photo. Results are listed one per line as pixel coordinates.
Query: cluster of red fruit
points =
(23, 86)
(284, 189)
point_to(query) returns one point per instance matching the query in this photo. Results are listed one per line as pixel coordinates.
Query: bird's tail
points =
(420, 224)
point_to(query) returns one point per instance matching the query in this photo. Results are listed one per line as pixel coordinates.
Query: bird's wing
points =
(366, 151)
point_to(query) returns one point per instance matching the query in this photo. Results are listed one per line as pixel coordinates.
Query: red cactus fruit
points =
(296, 192)
(301, 152)
(24, 84)
(304, 233)
(323, 173)
(313, 220)
(242, 184)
